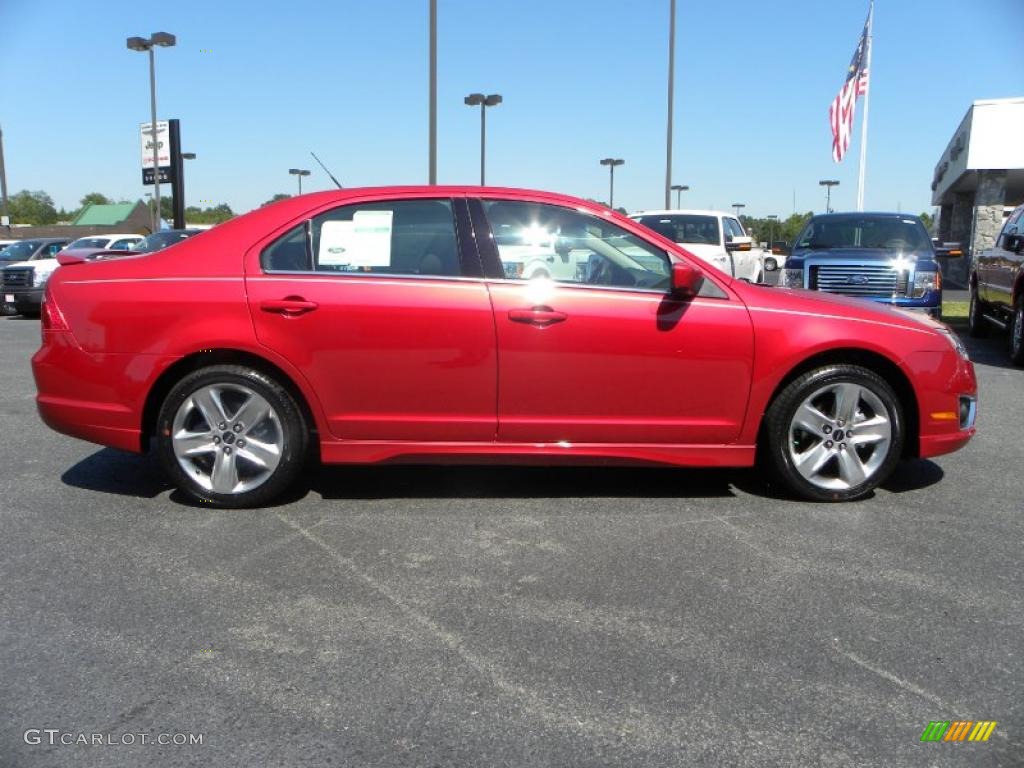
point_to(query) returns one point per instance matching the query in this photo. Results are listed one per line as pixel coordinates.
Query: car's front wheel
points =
(231, 436)
(834, 433)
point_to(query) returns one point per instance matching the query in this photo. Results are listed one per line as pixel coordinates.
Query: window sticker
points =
(364, 242)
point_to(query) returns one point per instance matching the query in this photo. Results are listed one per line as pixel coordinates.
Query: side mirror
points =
(739, 243)
(948, 250)
(1014, 243)
(686, 280)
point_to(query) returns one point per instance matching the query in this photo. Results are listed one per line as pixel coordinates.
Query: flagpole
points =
(864, 120)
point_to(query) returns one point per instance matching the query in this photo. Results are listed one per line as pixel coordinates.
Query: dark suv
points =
(884, 257)
(997, 286)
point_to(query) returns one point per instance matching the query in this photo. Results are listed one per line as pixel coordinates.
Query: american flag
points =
(843, 108)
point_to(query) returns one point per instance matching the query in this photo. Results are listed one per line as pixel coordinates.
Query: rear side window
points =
(404, 237)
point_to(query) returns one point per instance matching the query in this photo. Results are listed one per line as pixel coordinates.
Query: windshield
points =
(879, 232)
(684, 228)
(19, 251)
(90, 242)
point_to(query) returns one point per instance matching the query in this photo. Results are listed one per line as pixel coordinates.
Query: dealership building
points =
(980, 178)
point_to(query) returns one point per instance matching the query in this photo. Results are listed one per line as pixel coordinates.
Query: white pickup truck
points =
(716, 237)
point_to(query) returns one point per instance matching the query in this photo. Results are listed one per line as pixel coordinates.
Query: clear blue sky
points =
(581, 79)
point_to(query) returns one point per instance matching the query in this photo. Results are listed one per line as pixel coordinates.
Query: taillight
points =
(51, 318)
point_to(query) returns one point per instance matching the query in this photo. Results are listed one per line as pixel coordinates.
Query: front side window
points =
(547, 241)
(403, 237)
(89, 242)
(733, 228)
(688, 229)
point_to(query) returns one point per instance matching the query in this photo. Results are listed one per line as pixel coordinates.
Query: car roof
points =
(684, 212)
(865, 215)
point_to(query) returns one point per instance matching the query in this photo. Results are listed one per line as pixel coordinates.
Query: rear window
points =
(684, 228)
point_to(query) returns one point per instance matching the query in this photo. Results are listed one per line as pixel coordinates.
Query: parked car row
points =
(28, 264)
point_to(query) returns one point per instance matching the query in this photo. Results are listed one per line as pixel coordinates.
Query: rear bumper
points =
(94, 397)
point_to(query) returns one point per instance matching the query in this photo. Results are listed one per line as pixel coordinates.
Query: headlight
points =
(39, 278)
(925, 282)
(792, 278)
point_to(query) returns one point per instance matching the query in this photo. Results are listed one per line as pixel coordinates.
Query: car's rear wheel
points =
(231, 436)
(834, 433)
(1017, 333)
(977, 326)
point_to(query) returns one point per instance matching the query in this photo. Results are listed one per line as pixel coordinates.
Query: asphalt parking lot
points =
(504, 616)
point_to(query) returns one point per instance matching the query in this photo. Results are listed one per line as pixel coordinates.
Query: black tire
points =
(293, 435)
(977, 326)
(776, 456)
(1017, 333)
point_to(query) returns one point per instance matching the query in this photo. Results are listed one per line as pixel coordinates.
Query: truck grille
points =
(870, 280)
(17, 277)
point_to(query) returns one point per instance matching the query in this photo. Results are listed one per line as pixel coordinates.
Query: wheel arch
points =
(873, 361)
(207, 357)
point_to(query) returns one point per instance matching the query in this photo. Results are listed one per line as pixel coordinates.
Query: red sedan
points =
(394, 324)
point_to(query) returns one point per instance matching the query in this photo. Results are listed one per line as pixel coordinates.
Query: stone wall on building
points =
(989, 201)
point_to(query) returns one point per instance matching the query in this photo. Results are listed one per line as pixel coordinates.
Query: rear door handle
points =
(541, 316)
(293, 306)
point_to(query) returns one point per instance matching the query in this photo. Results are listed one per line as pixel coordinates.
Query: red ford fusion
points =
(395, 325)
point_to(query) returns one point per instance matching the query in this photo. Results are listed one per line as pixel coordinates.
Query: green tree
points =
(928, 221)
(32, 208)
(279, 196)
(95, 198)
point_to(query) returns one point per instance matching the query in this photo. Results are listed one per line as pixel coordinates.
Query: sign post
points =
(171, 164)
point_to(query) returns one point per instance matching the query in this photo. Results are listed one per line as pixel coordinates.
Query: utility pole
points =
(5, 214)
(671, 89)
(432, 174)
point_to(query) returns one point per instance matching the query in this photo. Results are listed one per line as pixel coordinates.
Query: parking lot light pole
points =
(679, 189)
(478, 99)
(299, 172)
(164, 40)
(828, 184)
(611, 162)
(737, 206)
(772, 218)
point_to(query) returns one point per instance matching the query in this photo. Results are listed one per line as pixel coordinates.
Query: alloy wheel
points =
(227, 438)
(840, 436)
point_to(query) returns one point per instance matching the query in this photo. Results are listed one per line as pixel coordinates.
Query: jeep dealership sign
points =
(163, 147)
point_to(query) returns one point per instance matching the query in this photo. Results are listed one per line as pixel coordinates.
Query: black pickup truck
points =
(997, 286)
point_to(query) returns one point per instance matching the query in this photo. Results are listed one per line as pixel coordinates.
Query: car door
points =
(743, 260)
(608, 357)
(379, 305)
(1002, 263)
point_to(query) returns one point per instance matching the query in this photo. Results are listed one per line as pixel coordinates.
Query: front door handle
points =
(540, 316)
(293, 306)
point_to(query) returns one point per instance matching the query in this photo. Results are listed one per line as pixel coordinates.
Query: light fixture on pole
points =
(679, 189)
(164, 40)
(478, 99)
(612, 162)
(737, 206)
(828, 184)
(299, 172)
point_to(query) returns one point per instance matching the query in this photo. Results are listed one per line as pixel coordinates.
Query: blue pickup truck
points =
(884, 257)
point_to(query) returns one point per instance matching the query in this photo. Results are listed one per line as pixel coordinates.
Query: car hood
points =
(835, 305)
(856, 254)
(20, 264)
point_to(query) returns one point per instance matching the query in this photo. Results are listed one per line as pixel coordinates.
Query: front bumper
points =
(931, 302)
(947, 402)
(22, 300)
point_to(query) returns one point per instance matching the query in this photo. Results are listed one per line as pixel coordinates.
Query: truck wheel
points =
(231, 436)
(834, 433)
(977, 326)
(1017, 334)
